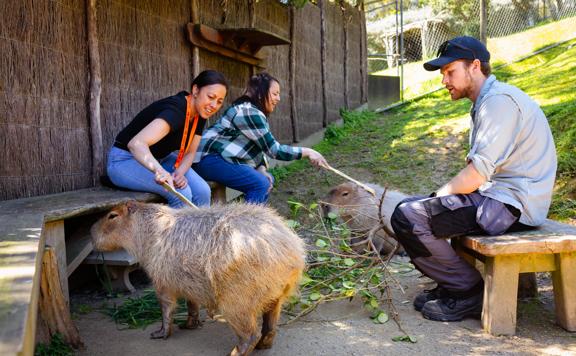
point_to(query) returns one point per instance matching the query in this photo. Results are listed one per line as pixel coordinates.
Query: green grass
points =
(418, 81)
(419, 146)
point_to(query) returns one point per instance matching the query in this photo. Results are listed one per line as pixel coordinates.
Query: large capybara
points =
(359, 210)
(240, 260)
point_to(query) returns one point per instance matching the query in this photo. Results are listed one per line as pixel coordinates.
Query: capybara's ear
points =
(131, 207)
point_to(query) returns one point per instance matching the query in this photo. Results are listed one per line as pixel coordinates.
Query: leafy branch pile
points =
(339, 269)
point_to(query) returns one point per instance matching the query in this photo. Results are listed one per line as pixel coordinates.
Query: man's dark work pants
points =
(422, 225)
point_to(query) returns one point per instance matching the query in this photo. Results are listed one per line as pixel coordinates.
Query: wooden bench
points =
(549, 248)
(42, 241)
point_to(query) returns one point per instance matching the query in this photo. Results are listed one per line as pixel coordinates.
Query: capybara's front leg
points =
(245, 346)
(167, 304)
(244, 325)
(269, 321)
(193, 320)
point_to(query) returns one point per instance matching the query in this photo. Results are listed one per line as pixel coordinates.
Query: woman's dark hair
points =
(257, 91)
(209, 77)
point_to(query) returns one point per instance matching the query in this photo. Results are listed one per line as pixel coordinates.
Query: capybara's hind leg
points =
(245, 327)
(167, 304)
(269, 321)
(193, 322)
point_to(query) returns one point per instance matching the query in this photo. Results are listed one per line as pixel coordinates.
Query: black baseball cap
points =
(464, 47)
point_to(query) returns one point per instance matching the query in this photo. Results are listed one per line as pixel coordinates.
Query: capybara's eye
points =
(112, 215)
(344, 194)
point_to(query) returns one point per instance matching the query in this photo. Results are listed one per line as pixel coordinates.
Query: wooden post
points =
(483, 20)
(95, 91)
(345, 62)
(292, 60)
(54, 238)
(53, 307)
(322, 6)
(195, 51)
(252, 24)
(363, 54)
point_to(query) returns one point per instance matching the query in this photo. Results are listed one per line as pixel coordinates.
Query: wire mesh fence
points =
(402, 35)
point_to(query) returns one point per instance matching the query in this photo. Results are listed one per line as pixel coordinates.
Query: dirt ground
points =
(344, 328)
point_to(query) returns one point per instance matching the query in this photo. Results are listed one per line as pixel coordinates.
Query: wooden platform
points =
(29, 226)
(549, 248)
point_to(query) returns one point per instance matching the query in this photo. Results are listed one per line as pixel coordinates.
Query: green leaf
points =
(405, 338)
(374, 303)
(332, 215)
(292, 224)
(349, 262)
(348, 284)
(321, 243)
(315, 296)
(313, 206)
(305, 280)
(381, 318)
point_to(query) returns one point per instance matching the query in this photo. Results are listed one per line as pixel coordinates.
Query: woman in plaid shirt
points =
(232, 151)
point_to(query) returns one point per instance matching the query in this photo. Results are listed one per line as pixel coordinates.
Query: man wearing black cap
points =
(506, 184)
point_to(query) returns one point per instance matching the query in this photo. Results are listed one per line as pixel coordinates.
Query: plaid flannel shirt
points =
(242, 135)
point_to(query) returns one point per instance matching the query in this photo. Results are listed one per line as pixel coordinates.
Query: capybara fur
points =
(240, 260)
(359, 210)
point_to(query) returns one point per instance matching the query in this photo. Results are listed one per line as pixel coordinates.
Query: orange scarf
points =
(184, 146)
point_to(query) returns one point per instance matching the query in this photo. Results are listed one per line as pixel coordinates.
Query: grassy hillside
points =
(421, 145)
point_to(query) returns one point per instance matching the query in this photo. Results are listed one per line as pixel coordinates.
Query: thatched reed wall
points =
(45, 141)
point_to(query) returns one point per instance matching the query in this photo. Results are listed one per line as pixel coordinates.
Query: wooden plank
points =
(196, 38)
(69, 204)
(78, 246)
(552, 237)
(500, 294)
(112, 258)
(54, 237)
(564, 281)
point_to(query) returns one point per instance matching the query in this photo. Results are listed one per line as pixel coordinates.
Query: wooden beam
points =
(292, 76)
(95, 91)
(196, 35)
(322, 5)
(195, 17)
(363, 54)
(345, 28)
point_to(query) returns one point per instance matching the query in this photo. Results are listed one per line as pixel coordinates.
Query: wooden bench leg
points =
(53, 308)
(564, 281)
(500, 294)
(54, 237)
(121, 277)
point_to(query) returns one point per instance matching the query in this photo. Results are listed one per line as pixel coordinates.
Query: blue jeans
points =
(244, 178)
(126, 172)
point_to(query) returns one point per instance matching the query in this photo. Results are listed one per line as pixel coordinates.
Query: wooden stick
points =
(367, 188)
(185, 200)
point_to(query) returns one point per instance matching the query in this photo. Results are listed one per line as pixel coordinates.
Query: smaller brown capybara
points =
(359, 210)
(238, 259)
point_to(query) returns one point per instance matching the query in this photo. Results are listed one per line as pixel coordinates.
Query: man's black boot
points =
(454, 308)
(428, 295)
